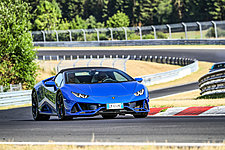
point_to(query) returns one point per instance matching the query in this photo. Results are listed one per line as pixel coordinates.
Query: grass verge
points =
(185, 99)
(14, 106)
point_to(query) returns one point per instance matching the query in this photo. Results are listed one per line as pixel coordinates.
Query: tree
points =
(163, 10)
(71, 8)
(16, 48)
(48, 15)
(118, 20)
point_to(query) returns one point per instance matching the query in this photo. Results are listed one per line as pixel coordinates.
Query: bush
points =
(211, 32)
(16, 48)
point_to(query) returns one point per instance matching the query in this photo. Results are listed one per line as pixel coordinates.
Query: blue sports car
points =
(89, 91)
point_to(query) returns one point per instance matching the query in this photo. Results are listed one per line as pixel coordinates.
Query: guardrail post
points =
(140, 32)
(20, 86)
(185, 30)
(169, 29)
(154, 32)
(101, 63)
(57, 57)
(11, 88)
(89, 60)
(43, 33)
(84, 35)
(64, 57)
(44, 58)
(200, 29)
(71, 57)
(50, 57)
(57, 37)
(70, 35)
(124, 64)
(125, 30)
(97, 34)
(1, 88)
(215, 28)
(74, 64)
(111, 32)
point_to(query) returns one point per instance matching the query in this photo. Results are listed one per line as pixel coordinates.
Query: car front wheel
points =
(61, 109)
(35, 112)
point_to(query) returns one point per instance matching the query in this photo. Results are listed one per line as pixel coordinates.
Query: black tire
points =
(140, 115)
(60, 108)
(35, 111)
(109, 116)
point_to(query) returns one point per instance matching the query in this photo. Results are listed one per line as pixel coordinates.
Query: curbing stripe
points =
(219, 110)
(188, 111)
(193, 111)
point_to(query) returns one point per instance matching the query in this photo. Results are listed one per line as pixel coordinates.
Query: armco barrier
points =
(132, 43)
(212, 83)
(15, 98)
(170, 75)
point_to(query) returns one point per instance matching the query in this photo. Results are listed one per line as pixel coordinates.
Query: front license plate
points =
(115, 106)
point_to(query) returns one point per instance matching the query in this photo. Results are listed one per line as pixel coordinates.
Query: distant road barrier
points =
(212, 83)
(170, 75)
(15, 98)
(209, 32)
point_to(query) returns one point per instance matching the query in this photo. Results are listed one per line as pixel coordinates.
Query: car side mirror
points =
(50, 83)
(138, 79)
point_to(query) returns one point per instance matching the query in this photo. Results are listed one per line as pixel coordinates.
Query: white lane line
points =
(172, 94)
(112, 144)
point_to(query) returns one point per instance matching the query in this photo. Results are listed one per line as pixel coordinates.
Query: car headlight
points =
(79, 95)
(139, 93)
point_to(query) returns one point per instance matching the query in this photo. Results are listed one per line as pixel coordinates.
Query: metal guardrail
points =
(15, 98)
(210, 32)
(170, 75)
(11, 88)
(132, 43)
(212, 83)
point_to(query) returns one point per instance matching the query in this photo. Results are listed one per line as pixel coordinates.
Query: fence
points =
(212, 83)
(119, 63)
(15, 98)
(170, 75)
(191, 30)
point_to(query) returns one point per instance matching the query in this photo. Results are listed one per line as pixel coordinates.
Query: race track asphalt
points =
(210, 55)
(17, 125)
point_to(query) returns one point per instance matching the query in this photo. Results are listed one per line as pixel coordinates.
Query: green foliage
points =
(163, 10)
(16, 48)
(78, 23)
(211, 32)
(48, 15)
(118, 20)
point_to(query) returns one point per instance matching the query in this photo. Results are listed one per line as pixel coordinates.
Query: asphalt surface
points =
(173, 90)
(17, 125)
(210, 55)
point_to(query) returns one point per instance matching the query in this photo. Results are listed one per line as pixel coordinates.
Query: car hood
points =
(103, 89)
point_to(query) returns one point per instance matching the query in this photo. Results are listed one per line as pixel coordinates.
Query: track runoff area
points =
(164, 125)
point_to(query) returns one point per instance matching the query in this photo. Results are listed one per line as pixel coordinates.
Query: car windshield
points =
(96, 76)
